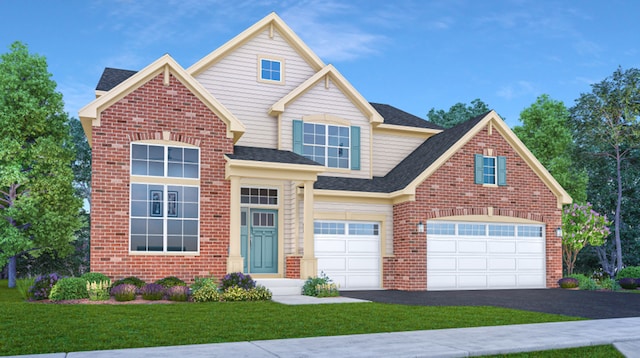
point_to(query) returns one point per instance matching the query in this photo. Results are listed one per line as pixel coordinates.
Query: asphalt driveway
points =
(587, 304)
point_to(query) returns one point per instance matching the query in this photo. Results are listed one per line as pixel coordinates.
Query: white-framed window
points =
(327, 144)
(260, 196)
(164, 217)
(489, 169)
(270, 70)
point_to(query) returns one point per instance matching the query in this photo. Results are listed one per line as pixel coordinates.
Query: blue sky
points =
(414, 55)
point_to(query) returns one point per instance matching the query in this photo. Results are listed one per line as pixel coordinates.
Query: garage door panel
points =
(370, 246)
(330, 246)
(335, 263)
(472, 264)
(441, 246)
(363, 263)
(489, 260)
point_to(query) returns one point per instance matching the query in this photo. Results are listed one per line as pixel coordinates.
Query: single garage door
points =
(349, 253)
(466, 255)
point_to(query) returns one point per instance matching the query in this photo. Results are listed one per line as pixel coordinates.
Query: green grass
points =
(605, 351)
(31, 328)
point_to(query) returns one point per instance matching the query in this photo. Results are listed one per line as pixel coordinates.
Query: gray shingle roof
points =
(112, 77)
(393, 115)
(408, 169)
(269, 155)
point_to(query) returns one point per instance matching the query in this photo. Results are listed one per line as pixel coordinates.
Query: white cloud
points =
(518, 89)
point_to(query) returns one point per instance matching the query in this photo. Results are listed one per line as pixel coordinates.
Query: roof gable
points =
(271, 21)
(329, 72)
(90, 114)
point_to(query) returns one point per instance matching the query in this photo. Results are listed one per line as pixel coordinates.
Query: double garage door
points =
(466, 255)
(349, 253)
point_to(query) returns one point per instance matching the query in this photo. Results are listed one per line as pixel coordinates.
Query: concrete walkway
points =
(624, 333)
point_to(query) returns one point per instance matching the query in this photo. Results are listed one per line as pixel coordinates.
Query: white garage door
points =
(349, 253)
(466, 256)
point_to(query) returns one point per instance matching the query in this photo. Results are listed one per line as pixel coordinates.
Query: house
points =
(263, 159)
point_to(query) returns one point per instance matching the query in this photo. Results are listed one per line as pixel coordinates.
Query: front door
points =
(259, 240)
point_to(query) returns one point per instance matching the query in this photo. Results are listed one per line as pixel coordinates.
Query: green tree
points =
(81, 166)
(546, 133)
(581, 226)
(38, 210)
(457, 114)
(607, 130)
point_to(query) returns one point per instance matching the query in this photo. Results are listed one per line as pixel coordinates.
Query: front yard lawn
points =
(30, 328)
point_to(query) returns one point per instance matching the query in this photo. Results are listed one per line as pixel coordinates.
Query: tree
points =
(546, 133)
(606, 127)
(38, 209)
(457, 114)
(581, 226)
(81, 166)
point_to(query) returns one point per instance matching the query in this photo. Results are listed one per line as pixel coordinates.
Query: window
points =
(441, 228)
(328, 228)
(363, 229)
(270, 70)
(326, 144)
(502, 230)
(261, 196)
(472, 229)
(165, 161)
(490, 170)
(164, 217)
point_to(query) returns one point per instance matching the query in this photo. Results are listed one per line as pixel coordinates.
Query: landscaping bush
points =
(131, 280)
(98, 291)
(170, 282)
(124, 292)
(178, 293)
(585, 283)
(23, 285)
(629, 272)
(312, 284)
(608, 284)
(235, 293)
(328, 290)
(42, 286)
(628, 283)
(95, 277)
(69, 288)
(568, 282)
(200, 282)
(206, 292)
(259, 293)
(237, 279)
(153, 291)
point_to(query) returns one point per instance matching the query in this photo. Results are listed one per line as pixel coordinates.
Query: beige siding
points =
(330, 101)
(389, 150)
(289, 199)
(234, 82)
(357, 208)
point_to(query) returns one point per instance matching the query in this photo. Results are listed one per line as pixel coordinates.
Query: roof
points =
(112, 77)
(269, 155)
(409, 168)
(395, 116)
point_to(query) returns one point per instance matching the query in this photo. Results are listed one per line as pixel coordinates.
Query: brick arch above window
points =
(442, 213)
(166, 137)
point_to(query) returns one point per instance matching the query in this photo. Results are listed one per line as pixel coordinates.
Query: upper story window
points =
(270, 70)
(490, 170)
(165, 161)
(327, 144)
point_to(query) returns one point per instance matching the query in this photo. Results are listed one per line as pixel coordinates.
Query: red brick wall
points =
(451, 191)
(293, 266)
(145, 114)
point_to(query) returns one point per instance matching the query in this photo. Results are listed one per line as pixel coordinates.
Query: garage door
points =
(464, 256)
(349, 253)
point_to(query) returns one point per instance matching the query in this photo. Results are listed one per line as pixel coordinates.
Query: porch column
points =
(309, 263)
(234, 261)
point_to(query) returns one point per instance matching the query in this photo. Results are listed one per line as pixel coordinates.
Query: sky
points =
(411, 54)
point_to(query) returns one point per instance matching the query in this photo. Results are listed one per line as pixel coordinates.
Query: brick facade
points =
(450, 191)
(292, 264)
(149, 112)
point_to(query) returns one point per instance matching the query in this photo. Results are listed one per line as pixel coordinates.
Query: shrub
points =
(310, 287)
(568, 282)
(237, 279)
(170, 282)
(131, 280)
(207, 292)
(628, 283)
(327, 290)
(124, 292)
(629, 272)
(42, 286)
(69, 288)
(98, 291)
(608, 284)
(200, 282)
(95, 277)
(259, 293)
(235, 293)
(585, 283)
(153, 291)
(23, 285)
(178, 293)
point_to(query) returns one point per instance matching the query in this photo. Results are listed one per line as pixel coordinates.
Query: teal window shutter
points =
(355, 148)
(297, 137)
(478, 166)
(502, 170)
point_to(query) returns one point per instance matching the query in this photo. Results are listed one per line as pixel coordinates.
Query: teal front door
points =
(259, 240)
